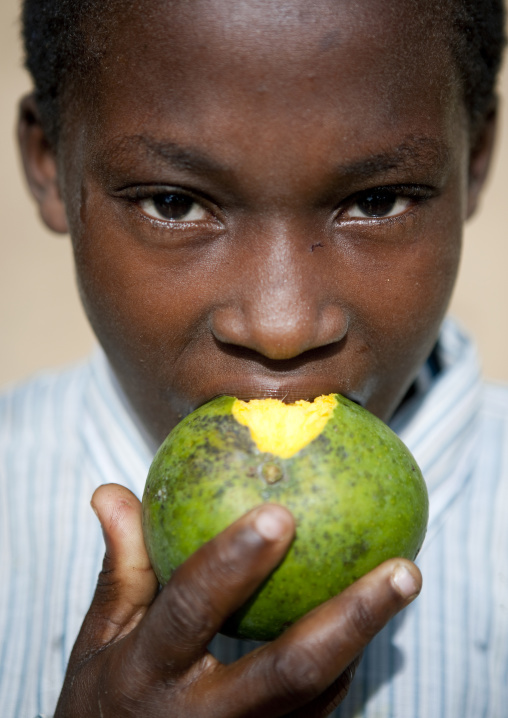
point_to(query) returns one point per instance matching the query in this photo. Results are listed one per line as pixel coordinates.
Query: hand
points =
(141, 652)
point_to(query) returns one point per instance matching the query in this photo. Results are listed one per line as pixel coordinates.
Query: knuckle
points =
(362, 621)
(108, 587)
(332, 697)
(297, 674)
(125, 690)
(107, 581)
(190, 612)
(231, 560)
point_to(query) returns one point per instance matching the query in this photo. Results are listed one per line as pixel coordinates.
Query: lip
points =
(288, 391)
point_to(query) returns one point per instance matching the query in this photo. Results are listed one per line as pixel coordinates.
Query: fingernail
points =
(272, 523)
(405, 583)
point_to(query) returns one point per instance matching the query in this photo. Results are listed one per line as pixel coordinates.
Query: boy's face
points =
(266, 198)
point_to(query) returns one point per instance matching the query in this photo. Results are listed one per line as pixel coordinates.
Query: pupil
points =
(173, 206)
(377, 204)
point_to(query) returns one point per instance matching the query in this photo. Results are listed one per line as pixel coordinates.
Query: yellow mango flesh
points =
(284, 429)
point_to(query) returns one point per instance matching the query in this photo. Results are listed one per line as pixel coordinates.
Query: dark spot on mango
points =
(271, 473)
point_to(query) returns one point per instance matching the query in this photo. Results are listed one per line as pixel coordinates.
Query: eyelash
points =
(143, 195)
(415, 194)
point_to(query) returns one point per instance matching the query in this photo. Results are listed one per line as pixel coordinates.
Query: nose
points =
(282, 300)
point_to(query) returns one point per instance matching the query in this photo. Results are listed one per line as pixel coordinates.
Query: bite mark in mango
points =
(284, 429)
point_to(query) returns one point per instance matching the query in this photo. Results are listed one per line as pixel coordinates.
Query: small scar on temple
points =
(314, 246)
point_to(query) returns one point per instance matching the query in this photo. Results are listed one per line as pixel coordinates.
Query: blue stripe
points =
(29, 526)
(493, 431)
(465, 523)
(417, 641)
(73, 560)
(7, 639)
(55, 471)
(441, 650)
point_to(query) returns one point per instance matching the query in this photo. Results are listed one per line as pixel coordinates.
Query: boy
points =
(264, 198)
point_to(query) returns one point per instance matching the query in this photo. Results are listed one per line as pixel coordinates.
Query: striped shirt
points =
(446, 656)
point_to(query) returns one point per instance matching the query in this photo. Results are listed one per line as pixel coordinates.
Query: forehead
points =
(241, 74)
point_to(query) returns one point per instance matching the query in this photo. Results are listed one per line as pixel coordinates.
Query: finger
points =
(211, 585)
(331, 697)
(126, 584)
(305, 661)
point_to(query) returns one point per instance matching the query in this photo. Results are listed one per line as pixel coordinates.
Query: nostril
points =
(279, 333)
(228, 327)
(317, 354)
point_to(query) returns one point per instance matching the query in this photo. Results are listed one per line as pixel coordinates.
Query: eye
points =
(378, 204)
(173, 207)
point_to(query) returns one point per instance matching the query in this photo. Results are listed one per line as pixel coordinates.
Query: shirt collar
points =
(113, 435)
(440, 423)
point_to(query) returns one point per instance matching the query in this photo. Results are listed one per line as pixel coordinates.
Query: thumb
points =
(127, 585)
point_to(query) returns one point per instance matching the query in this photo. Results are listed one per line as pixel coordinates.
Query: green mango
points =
(356, 492)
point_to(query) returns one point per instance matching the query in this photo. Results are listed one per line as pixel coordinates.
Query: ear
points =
(480, 159)
(39, 162)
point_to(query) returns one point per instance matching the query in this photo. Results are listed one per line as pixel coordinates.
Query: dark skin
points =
(265, 199)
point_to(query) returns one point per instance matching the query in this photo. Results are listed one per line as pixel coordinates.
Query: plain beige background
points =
(41, 321)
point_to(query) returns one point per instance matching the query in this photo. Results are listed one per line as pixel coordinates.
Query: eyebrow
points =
(424, 151)
(413, 151)
(179, 156)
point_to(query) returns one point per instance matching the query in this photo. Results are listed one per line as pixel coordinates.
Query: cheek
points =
(141, 301)
(411, 280)
(415, 308)
(399, 297)
(413, 292)
(142, 314)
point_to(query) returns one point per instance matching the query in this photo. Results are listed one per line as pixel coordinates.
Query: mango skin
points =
(356, 493)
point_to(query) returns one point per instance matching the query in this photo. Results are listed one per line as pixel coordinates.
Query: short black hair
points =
(59, 50)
